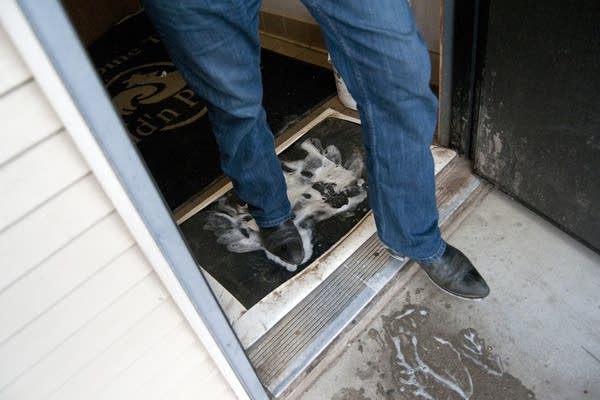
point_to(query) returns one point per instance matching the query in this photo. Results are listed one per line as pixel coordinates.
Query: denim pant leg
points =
(215, 46)
(379, 53)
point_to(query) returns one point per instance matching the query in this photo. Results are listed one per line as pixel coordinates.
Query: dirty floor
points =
(537, 336)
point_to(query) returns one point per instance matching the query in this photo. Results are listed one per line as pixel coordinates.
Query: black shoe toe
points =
(455, 274)
(284, 241)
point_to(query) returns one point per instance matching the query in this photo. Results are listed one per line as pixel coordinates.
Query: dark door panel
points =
(538, 128)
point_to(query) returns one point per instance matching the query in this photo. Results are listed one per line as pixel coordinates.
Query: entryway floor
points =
(536, 336)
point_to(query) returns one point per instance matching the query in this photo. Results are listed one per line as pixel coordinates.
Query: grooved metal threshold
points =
(283, 354)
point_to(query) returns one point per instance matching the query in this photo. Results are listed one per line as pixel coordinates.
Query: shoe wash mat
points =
(326, 179)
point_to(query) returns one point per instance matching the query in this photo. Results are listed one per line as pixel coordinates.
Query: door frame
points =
(462, 45)
(45, 38)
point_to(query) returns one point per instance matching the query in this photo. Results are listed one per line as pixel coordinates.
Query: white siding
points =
(83, 314)
(14, 71)
(50, 167)
(20, 130)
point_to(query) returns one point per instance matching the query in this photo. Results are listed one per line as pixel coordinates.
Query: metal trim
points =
(59, 40)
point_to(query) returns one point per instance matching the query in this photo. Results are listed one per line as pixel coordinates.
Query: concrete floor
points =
(536, 336)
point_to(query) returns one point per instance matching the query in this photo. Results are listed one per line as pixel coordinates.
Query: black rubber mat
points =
(168, 121)
(327, 188)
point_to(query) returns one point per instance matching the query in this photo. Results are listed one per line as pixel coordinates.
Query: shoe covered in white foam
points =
(283, 241)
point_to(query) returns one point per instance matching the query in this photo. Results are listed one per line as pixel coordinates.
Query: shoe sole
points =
(455, 295)
(443, 289)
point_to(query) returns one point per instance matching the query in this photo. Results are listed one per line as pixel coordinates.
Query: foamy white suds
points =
(416, 354)
(319, 187)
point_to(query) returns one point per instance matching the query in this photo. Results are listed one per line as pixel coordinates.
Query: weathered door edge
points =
(455, 88)
(445, 72)
(44, 37)
(466, 25)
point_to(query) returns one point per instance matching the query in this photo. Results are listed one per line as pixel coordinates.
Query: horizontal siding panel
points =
(164, 355)
(21, 351)
(14, 71)
(23, 301)
(171, 375)
(26, 119)
(86, 343)
(82, 314)
(41, 233)
(196, 383)
(37, 175)
(137, 341)
(203, 382)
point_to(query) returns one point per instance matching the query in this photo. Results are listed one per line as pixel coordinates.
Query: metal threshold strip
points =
(290, 348)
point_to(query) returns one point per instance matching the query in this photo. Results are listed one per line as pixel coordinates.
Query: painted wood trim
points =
(186, 285)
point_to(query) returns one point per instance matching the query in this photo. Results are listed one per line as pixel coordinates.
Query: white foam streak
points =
(418, 366)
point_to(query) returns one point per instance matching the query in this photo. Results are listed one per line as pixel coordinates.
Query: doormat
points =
(326, 178)
(168, 122)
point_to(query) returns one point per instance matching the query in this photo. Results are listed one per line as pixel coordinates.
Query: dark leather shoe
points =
(284, 241)
(455, 274)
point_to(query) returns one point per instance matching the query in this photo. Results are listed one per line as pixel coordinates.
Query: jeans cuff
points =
(435, 256)
(269, 223)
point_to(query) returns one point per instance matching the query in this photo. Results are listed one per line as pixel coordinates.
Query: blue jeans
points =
(382, 58)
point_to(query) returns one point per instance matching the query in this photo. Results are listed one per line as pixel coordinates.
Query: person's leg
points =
(383, 60)
(215, 46)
